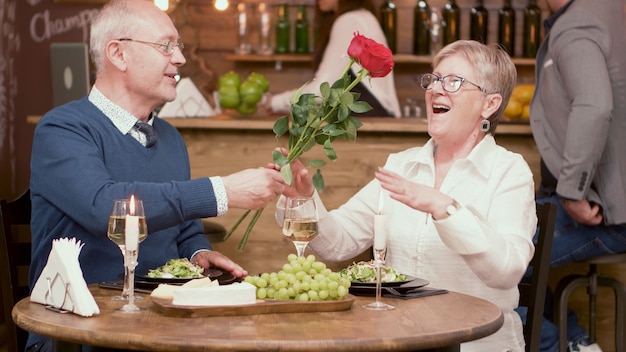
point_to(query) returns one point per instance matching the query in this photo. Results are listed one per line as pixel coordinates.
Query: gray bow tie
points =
(148, 131)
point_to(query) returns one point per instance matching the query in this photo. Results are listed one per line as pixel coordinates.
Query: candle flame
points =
(132, 205)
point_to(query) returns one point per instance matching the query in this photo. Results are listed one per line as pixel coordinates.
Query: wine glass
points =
(127, 227)
(380, 247)
(300, 222)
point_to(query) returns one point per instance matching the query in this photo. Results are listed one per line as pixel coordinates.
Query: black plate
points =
(368, 290)
(141, 285)
(384, 284)
(212, 273)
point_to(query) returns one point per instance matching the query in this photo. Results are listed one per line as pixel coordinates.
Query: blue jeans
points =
(573, 242)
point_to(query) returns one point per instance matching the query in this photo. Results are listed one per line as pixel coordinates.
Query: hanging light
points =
(164, 5)
(220, 5)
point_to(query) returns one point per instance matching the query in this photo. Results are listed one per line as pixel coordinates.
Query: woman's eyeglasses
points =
(449, 83)
(168, 47)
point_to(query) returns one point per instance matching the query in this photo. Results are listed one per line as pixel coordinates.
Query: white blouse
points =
(482, 250)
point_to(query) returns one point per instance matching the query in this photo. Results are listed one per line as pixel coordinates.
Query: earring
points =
(485, 125)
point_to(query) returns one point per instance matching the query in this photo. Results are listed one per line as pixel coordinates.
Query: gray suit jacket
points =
(578, 111)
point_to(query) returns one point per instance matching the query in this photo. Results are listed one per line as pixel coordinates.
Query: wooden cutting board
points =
(165, 306)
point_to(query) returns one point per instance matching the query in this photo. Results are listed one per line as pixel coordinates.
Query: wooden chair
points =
(533, 294)
(15, 257)
(592, 281)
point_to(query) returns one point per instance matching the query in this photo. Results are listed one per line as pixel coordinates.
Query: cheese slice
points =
(166, 291)
(224, 295)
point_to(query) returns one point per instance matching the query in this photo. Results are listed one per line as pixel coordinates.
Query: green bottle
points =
(479, 22)
(302, 31)
(532, 29)
(506, 28)
(421, 28)
(451, 14)
(389, 23)
(283, 28)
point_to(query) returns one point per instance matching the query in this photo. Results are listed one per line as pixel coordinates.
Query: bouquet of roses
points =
(321, 119)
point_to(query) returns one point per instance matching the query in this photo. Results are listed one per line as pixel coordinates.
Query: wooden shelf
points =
(398, 59)
(270, 58)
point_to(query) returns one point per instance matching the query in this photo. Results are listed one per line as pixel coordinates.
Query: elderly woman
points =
(460, 210)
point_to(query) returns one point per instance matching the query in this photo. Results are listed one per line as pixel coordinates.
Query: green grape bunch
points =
(301, 279)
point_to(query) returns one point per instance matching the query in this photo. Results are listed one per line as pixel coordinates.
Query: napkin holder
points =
(61, 286)
(189, 102)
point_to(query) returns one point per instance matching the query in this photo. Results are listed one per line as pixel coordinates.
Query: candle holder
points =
(380, 249)
(127, 228)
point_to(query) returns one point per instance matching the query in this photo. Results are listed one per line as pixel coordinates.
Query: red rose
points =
(373, 56)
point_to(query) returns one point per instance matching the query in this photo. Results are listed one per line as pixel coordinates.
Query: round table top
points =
(418, 323)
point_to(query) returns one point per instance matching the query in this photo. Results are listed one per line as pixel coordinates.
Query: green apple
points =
(229, 79)
(228, 97)
(246, 109)
(250, 92)
(260, 80)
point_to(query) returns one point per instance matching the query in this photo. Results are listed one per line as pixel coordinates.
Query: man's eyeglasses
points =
(449, 83)
(168, 47)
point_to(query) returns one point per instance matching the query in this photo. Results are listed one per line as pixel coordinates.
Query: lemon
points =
(513, 109)
(526, 112)
(523, 93)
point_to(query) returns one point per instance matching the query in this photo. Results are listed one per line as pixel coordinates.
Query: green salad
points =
(366, 272)
(177, 269)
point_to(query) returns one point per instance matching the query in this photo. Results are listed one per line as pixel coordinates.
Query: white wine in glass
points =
(300, 222)
(128, 212)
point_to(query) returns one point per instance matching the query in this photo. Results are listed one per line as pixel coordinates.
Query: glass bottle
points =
(283, 28)
(506, 27)
(243, 46)
(532, 29)
(479, 22)
(302, 31)
(451, 14)
(389, 23)
(265, 48)
(421, 28)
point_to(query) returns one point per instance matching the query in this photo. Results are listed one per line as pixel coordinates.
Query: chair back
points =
(533, 294)
(15, 246)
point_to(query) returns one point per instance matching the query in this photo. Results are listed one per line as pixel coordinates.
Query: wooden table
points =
(435, 323)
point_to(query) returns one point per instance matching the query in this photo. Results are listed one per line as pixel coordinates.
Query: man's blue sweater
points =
(81, 162)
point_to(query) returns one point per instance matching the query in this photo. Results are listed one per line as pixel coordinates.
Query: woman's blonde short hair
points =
(495, 72)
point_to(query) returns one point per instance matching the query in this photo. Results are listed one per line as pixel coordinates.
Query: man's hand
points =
(208, 259)
(583, 212)
(253, 188)
(302, 184)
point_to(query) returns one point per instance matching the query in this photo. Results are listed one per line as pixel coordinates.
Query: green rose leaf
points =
(318, 181)
(329, 150)
(285, 171)
(279, 158)
(281, 126)
(317, 163)
(360, 107)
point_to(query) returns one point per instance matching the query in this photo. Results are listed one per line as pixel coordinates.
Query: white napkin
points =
(189, 102)
(61, 284)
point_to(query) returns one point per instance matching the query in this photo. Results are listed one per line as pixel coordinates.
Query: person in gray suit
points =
(578, 119)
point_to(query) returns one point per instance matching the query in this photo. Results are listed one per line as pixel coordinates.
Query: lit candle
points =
(380, 232)
(131, 230)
